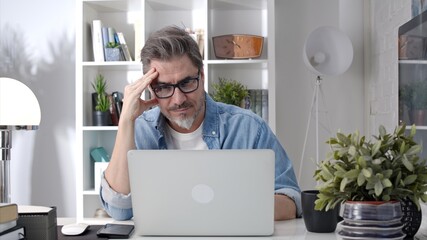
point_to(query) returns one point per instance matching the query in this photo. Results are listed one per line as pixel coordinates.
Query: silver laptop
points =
(202, 192)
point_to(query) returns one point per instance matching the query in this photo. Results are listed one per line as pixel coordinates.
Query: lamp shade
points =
(19, 107)
(328, 51)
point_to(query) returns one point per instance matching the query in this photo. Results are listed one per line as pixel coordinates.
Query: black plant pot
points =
(101, 118)
(317, 221)
(411, 218)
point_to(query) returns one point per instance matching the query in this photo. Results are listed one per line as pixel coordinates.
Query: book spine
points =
(264, 105)
(104, 39)
(125, 48)
(97, 43)
(111, 32)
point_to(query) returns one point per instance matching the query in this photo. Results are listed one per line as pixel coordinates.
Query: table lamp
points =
(19, 110)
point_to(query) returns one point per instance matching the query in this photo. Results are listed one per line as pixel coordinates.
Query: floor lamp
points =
(327, 52)
(19, 110)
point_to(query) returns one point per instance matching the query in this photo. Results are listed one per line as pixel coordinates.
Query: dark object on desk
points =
(317, 221)
(90, 234)
(39, 222)
(111, 230)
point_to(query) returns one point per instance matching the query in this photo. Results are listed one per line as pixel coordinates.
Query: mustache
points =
(180, 106)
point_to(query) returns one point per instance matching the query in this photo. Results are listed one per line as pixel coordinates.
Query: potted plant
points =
(389, 168)
(229, 91)
(112, 52)
(101, 102)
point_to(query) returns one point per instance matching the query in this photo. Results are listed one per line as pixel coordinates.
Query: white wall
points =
(37, 48)
(343, 95)
(382, 77)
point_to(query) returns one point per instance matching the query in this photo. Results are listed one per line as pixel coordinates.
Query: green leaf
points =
(382, 131)
(342, 138)
(386, 183)
(367, 172)
(343, 184)
(352, 174)
(402, 147)
(413, 131)
(407, 164)
(361, 179)
(376, 148)
(361, 161)
(352, 151)
(410, 179)
(414, 150)
(378, 188)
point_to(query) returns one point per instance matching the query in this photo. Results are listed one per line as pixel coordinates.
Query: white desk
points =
(291, 229)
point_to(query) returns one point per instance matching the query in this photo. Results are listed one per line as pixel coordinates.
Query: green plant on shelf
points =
(229, 91)
(102, 99)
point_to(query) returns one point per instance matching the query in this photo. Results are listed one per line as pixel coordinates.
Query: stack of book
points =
(9, 229)
(257, 101)
(103, 36)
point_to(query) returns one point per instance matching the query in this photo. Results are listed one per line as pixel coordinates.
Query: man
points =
(186, 118)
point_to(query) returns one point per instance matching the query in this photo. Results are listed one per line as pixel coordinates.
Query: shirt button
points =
(213, 132)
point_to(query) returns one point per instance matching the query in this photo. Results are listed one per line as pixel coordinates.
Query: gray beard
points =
(185, 123)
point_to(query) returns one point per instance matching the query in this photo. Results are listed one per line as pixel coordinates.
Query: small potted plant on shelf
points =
(386, 170)
(101, 102)
(230, 92)
(113, 52)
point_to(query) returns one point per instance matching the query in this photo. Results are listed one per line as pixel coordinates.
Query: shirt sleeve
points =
(117, 205)
(285, 178)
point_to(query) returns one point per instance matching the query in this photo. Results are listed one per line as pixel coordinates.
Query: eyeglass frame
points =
(177, 85)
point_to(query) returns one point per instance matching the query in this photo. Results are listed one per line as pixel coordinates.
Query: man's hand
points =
(284, 208)
(133, 105)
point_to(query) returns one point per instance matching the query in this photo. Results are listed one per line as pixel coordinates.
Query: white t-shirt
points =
(185, 141)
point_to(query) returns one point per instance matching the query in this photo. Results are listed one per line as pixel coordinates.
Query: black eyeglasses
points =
(187, 85)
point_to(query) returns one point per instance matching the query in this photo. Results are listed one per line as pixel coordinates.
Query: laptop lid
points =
(202, 192)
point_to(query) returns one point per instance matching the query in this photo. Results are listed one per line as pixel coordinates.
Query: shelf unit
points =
(137, 19)
(413, 76)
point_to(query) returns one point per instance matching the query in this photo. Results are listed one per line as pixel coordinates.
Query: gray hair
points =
(167, 43)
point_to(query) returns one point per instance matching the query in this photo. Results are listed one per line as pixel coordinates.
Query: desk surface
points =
(290, 229)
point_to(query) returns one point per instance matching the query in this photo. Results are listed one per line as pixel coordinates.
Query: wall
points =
(37, 48)
(341, 106)
(382, 57)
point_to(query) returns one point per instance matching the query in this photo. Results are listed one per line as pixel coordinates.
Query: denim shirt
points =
(224, 127)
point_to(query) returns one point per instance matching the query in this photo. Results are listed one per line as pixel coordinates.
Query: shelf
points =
(137, 19)
(106, 6)
(235, 61)
(100, 128)
(413, 61)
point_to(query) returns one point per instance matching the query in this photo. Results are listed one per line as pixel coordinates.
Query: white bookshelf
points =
(216, 17)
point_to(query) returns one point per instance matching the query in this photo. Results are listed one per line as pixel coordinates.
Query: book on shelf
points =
(14, 233)
(97, 42)
(257, 101)
(8, 212)
(124, 46)
(104, 39)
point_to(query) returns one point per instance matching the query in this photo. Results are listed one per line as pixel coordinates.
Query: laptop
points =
(202, 192)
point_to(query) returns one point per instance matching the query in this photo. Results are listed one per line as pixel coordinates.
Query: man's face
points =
(185, 111)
